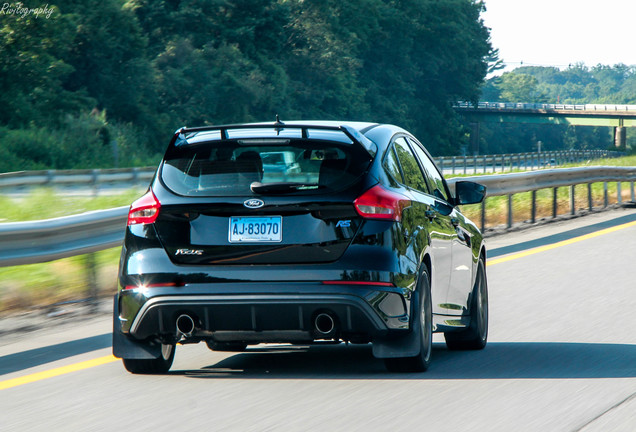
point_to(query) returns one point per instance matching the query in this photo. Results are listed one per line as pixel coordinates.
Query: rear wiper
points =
(282, 187)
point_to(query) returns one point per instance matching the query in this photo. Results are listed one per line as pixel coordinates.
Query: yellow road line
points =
(56, 372)
(559, 244)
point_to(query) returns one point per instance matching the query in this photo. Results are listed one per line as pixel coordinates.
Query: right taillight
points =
(381, 203)
(145, 210)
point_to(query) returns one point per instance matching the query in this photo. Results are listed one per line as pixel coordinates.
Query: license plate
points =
(254, 229)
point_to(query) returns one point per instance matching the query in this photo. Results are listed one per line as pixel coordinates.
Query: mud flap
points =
(401, 346)
(128, 348)
(407, 345)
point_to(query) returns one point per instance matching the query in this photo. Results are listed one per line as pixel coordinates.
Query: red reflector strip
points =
(386, 284)
(157, 285)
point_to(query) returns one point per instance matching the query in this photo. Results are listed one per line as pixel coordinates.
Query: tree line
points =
(102, 83)
(106, 82)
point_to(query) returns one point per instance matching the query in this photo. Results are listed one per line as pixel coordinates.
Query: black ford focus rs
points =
(297, 232)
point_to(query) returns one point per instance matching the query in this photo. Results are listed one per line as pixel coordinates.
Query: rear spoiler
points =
(355, 136)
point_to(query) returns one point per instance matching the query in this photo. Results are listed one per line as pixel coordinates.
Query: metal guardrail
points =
(97, 178)
(518, 161)
(94, 178)
(51, 239)
(47, 240)
(513, 183)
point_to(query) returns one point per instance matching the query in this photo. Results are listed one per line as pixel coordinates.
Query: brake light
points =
(145, 210)
(380, 203)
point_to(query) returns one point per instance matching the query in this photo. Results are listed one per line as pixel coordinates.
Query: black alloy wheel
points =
(159, 365)
(475, 336)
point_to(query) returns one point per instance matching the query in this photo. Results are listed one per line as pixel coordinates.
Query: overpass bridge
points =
(617, 116)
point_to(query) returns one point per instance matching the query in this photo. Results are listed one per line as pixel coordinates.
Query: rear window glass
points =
(256, 167)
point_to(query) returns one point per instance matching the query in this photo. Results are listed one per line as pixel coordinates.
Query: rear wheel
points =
(475, 336)
(226, 346)
(423, 322)
(152, 366)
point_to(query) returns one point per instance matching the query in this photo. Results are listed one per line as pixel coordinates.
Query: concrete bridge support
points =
(620, 137)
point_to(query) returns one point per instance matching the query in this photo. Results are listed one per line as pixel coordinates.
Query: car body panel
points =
(330, 257)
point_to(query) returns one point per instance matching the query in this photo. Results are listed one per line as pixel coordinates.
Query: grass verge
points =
(43, 284)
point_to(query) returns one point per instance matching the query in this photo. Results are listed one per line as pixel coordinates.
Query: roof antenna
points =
(278, 123)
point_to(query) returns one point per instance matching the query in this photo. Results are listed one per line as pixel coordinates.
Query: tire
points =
(226, 346)
(159, 365)
(423, 324)
(475, 336)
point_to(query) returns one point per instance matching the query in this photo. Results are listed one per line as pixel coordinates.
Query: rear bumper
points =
(252, 312)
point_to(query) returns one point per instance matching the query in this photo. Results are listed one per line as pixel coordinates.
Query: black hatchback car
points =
(349, 232)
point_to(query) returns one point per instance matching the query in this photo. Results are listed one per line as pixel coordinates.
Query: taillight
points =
(145, 210)
(380, 203)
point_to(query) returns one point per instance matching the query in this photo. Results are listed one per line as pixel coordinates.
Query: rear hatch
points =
(261, 194)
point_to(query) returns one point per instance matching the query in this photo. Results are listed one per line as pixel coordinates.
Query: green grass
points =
(46, 204)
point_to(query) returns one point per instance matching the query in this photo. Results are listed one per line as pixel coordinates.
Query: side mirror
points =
(467, 192)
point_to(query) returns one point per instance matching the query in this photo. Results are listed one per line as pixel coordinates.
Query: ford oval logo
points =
(253, 203)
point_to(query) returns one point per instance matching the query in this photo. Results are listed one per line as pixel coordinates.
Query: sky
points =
(562, 32)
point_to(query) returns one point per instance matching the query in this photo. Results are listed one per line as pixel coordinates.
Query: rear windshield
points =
(255, 167)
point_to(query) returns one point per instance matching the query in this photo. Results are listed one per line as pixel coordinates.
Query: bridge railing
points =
(540, 106)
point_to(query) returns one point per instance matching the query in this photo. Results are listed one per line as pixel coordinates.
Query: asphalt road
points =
(561, 357)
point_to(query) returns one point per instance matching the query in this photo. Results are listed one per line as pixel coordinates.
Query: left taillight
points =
(145, 210)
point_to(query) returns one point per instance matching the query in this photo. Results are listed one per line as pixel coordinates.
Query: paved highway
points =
(561, 357)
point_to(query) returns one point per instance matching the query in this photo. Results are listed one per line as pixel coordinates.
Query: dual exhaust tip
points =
(185, 325)
(324, 325)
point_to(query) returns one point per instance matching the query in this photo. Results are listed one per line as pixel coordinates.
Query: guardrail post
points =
(533, 211)
(590, 201)
(91, 280)
(485, 162)
(483, 215)
(554, 202)
(619, 193)
(510, 216)
(572, 200)
(475, 164)
(605, 197)
(631, 187)
(441, 164)
(465, 164)
(453, 162)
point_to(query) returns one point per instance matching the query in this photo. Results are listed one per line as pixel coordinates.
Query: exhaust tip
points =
(185, 325)
(324, 324)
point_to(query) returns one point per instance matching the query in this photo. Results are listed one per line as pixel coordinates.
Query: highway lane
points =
(561, 357)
